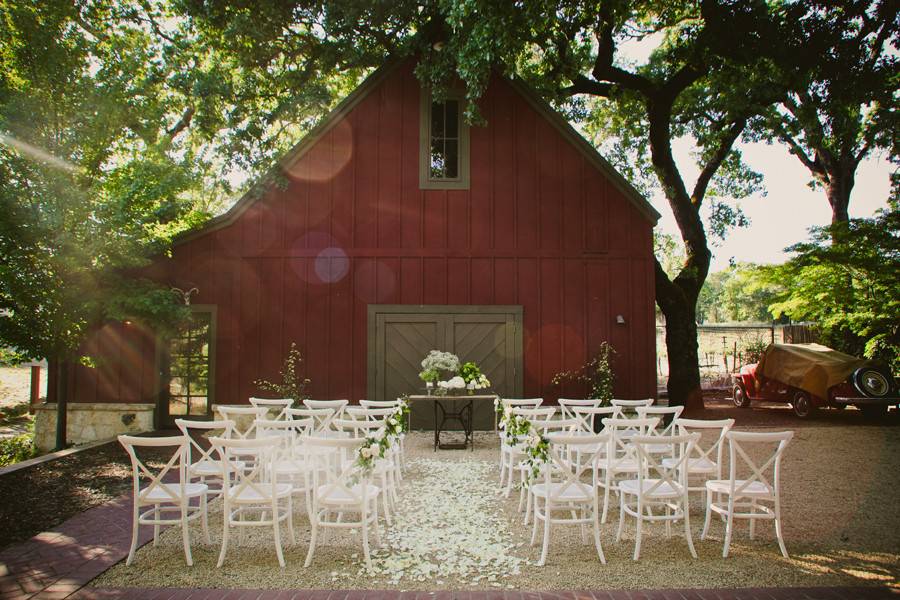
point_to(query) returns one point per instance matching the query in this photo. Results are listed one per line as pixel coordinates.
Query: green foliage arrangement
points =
(846, 280)
(518, 430)
(377, 444)
(292, 385)
(16, 449)
(597, 374)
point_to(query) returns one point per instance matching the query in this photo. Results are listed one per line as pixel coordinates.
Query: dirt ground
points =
(842, 527)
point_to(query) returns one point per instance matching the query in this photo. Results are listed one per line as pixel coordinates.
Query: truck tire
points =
(871, 382)
(739, 397)
(802, 405)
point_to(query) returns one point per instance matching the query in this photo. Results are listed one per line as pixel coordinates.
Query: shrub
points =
(16, 449)
(291, 385)
(597, 374)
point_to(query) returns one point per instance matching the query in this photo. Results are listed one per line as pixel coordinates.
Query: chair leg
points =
(290, 519)
(606, 484)
(548, 511)
(535, 518)
(204, 518)
(226, 518)
(277, 527)
(753, 521)
(185, 534)
(687, 526)
(312, 539)
(377, 527)
(708, 515)
(529, 501)
(621, 520)
(778, 534)
(596, 525)
(365, 534)
(639, 527)
(135, 525)
(729, 525)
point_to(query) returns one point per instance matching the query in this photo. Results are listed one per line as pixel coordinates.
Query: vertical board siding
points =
(539, 227)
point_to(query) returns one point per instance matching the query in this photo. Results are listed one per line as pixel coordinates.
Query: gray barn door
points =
(402, 335)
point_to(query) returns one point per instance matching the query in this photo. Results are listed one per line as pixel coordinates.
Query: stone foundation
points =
(89, 422)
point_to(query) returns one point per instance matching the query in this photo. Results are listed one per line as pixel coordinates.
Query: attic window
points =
(443, 144)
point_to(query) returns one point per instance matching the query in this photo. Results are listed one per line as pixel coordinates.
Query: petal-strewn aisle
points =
(448, 525)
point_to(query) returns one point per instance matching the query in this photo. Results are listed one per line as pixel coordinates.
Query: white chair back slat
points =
(276, 405)
(244, 418)
(706, 453)
(589, 414)
(337, 406)
(203, 454)
(663, 412)
(322, 418)
(568, 408)
(521, 402)
(742, 462)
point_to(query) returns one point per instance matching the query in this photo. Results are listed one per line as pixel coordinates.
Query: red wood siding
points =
(539, 227)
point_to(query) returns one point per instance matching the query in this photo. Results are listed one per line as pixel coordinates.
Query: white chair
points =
(205, 467)
(563, 492)
(385, 468)
(706, 462)
(568, 408)
(340, 494)
(253, 491)
(662, 428)
(658, 486)
(390, 404)
(621, 456)
(544, 428)
(749, 493)
(507, 404)
(164, 496)
(511, 451)
(273, 404)
(379, 415)
(337, 406)
(291, 464)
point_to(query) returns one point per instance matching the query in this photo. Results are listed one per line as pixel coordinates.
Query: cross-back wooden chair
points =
(276, 405)
(751, 484)
(569, 409)
(253, 491)
(162, 494)
(562, 490)
(341, 493)
(706, 461)
(203, 462)
(658, 485)
(620, 457)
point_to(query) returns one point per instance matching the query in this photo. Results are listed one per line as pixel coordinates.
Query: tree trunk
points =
(62, 375)
(838, 192)
(680, 310)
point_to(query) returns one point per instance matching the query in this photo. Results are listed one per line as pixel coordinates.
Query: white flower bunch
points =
(479, 383)
(443, 361)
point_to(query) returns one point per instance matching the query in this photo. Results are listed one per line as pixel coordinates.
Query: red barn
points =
(394, 228)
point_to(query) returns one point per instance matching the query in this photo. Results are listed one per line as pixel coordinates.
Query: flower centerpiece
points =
(436, 365)
(474, 378)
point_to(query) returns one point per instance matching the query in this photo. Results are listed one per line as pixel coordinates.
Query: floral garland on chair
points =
(375, 446)
(518, 429)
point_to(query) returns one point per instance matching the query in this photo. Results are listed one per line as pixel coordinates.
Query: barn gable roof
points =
(371, 83)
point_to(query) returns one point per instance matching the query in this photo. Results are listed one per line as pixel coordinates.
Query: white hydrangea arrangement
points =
(440, 361)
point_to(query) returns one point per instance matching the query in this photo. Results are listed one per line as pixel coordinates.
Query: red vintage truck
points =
(812, 376)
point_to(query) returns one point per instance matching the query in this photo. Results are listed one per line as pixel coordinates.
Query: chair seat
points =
(566, 492)
(249, 495)
(208, 468)
(694, 465)
(332, 495)
(623, 466)
(191, 490)
(755, 489)
(663, 490)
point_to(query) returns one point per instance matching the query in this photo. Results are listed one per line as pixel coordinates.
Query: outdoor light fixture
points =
(620, 319)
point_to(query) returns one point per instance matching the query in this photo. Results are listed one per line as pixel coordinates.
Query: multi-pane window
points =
(189, 366)
(444, 140)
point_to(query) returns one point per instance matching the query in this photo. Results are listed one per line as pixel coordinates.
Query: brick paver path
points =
(60, 563)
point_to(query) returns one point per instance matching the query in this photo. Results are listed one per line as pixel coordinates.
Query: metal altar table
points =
(450, 409)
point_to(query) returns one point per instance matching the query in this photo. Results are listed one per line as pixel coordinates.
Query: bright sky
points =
(782, 217)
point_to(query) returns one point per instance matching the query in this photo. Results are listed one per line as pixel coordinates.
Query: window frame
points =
(426, 181)
(212, 310)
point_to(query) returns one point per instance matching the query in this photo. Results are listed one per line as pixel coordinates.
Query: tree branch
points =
(183, 123)
(583, 85)
(716, 160)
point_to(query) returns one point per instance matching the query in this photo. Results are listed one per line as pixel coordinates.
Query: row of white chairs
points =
(258, 469)
(661, 465)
